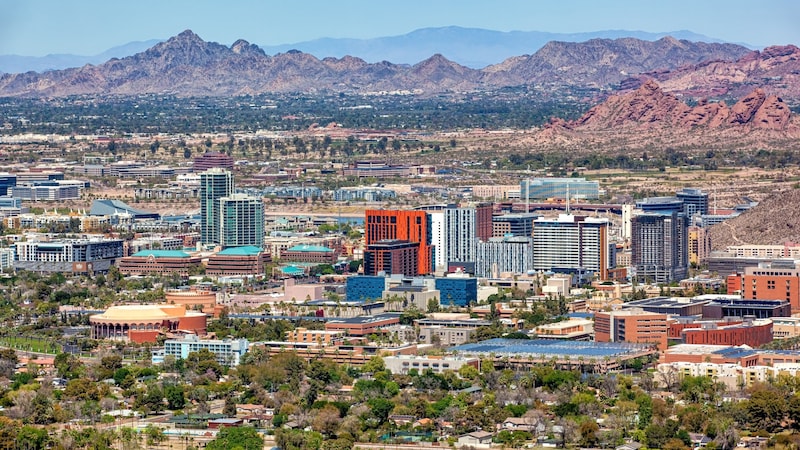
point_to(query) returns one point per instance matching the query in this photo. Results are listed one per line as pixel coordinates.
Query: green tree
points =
(588, 433)
(30, 438)
(237, 438)
(176, 396)
(380, 409)
(766, 409)
(374, 365)
(154, 435)
(230, 406)
(297, 439)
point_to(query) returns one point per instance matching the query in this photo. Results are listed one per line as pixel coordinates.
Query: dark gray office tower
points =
(659, 246)
(695, 201)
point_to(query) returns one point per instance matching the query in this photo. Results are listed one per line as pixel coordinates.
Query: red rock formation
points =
(650, 107)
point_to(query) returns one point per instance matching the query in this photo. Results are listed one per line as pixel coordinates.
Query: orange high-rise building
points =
(412, 226)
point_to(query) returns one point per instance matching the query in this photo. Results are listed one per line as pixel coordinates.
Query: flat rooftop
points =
(667, 302)
(363, 320)
(547, 348)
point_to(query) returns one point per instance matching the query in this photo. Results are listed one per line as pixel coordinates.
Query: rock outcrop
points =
(650, 107)
(775, 69)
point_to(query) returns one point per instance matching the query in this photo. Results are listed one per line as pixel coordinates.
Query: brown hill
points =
(650, 107)
(772, 222)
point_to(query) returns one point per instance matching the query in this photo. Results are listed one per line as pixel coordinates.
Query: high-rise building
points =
(660, 204)
(520, 225)
(571, 243)
(510, 254)
(694, 200)
(411, 226)
(699, 244)
(437, 239)
(627, 215)
(463, 228)
(659, 246)
(215, 183)
(241, 221)
(392, 256)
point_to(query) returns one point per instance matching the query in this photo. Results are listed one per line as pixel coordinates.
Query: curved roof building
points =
(143, 323)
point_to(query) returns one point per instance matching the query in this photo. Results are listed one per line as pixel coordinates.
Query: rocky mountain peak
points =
(242, 47)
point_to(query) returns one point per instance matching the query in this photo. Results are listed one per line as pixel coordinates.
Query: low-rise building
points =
(447, 336)
(402, 364)
(572, 329)
(309, 254)
(147, 262)
(69, 255)
(321, 337)
(750, 331)
(364, 325)
(631, 325)
(247, 261)
(143, 323)
(228, 352)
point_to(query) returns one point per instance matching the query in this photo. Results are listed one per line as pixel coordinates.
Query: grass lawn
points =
(37, 345)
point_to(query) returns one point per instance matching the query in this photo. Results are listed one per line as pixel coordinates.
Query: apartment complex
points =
(659, 246)
(509, 254)
(396, 226)
(228, 352)
(463, 228)
(70, 255)
(570, 243)
(241, 221)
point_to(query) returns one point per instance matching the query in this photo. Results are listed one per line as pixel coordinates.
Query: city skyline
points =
(41, 27)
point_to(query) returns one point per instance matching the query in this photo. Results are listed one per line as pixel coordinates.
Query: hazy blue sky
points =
(39, 27)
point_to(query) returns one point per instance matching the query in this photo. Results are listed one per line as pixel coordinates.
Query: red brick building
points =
(248, 261)
(363, 325)
(748, 332)
(315, 254)
(156, 262)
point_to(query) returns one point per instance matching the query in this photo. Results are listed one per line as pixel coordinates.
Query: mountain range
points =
(472, 47)
(186, 65)
(19, 63)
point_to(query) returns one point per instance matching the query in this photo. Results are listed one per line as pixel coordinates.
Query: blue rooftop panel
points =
(309, 248)
(248, 250)
(550, 348)
(162, 254)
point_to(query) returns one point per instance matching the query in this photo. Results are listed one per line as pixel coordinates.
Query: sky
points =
(89, 27)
